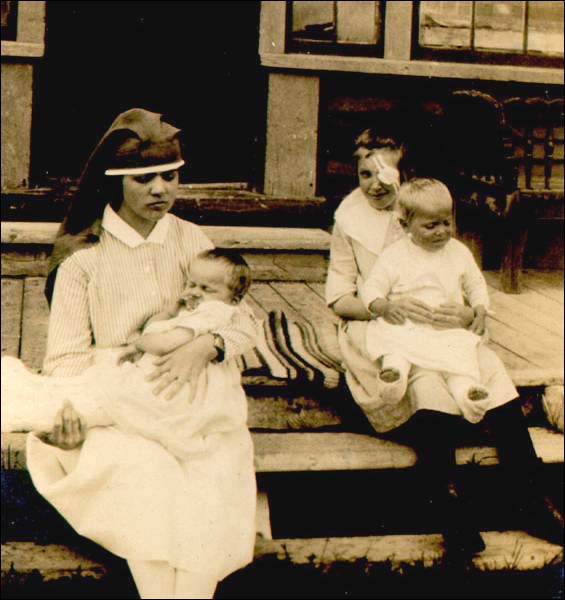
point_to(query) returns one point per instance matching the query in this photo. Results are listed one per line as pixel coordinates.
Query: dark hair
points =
(240, 276)
(371, 140)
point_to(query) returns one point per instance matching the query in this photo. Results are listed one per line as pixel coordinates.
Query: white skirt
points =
(142, 501)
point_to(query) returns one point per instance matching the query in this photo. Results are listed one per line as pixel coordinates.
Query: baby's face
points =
(379, 177)
(431, 230)
(209, 280)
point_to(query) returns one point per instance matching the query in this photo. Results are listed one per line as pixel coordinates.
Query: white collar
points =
(114, 224)
(360, 221)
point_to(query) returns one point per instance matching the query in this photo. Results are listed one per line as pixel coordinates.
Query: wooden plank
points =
(53, 561)
(57, 561)
(29, 261)
(290, 413)
(511, 361)
(509, 308)
(530, 297)
(267, 297)
(523, 345)
(306, 302)
(549, 283)
(286, 266)
(263, 238)
(417, 68)
(334, 451)
(422, 550)
(547, 342)
(34, 323)
(292, 134)
(537, 377)
(282, 452)
(32, 261)
(318, 288)
(12, 301)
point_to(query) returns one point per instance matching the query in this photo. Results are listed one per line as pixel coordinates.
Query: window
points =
(503, 32)
(350, 28)
(9, 20)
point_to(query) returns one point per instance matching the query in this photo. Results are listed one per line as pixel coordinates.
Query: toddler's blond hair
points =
(423, 196)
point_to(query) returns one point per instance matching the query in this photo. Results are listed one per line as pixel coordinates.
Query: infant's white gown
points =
(202, 432)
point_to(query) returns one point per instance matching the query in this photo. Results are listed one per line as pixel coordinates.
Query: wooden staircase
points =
(317, 462)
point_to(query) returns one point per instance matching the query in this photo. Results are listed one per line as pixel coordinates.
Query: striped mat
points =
(295, 350)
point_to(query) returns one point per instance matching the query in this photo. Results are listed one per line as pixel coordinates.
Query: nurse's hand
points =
(183, 365)
(453, 315)
(68, 429)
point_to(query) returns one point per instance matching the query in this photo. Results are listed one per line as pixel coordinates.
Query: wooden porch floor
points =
(526, 330)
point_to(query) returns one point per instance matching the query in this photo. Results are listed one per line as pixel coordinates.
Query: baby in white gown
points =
(115, 390)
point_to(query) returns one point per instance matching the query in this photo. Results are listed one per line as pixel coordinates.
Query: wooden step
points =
(273, 253)
(334, 451)
(249, 238)
(210, 203)
(507, 549)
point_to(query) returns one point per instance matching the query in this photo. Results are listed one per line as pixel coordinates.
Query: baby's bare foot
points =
(477, 394)
(389, 375)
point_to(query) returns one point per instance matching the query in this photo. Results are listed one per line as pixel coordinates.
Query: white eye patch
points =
(386, 174)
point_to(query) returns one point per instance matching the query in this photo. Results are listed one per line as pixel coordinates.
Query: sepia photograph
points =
(282, 299)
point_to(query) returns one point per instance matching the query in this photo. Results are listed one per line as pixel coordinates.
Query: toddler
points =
(434, 268)
(115, 390)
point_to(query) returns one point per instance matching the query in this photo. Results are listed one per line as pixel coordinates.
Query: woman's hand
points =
(68, 430)
(453, 315)
(416, 310)
(393, 313)
(183, 365)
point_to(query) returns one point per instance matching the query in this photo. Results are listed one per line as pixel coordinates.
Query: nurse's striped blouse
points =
(104, 294)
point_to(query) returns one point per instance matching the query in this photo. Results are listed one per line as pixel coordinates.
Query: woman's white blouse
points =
(359, 235)
(104, 294)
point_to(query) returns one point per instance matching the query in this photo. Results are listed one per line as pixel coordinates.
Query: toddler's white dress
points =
(447, 275)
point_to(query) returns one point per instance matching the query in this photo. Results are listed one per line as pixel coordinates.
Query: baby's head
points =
(217, 274)
(425, 207)
(378, 160)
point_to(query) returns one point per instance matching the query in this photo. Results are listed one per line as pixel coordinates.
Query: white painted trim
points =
(22, 49)
(416, 68)
(398, 25)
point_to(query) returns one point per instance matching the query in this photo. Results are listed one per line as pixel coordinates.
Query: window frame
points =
(469, 55)
(332, 47)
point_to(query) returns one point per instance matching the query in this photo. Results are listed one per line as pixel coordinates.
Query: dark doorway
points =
(196, 62)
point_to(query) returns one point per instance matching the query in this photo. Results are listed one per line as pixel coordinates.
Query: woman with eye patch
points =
(118, 260)
(426, 416)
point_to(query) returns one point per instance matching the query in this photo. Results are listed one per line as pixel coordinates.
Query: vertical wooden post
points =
(398, 30)
(292, 135)
(272, 28)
